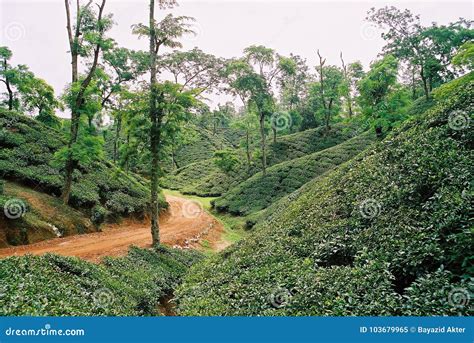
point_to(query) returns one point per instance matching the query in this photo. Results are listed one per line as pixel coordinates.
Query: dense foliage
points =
(260, 191)
(389, 233)
(27, 155)
(52, 285)
(204, 178)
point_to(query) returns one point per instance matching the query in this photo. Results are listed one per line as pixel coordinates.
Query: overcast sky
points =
(35, 30)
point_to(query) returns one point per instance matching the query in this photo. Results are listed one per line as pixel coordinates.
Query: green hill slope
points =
(53, 285)
(100, 190)
(204, 178)
(307, 142)
(388, 233)
(202, 147)
(260, 191)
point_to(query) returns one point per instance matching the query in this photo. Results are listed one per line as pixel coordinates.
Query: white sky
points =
(35, 30)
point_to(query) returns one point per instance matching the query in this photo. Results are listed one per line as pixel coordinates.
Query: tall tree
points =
(382, 99)
(330, 81)
(430, 49)
(86, 39)
(164, 33)
(6, 74)
(193, 69)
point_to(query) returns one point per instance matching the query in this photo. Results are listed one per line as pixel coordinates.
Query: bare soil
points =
(184, 226)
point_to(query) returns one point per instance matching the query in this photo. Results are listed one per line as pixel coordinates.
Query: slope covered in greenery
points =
(260, 191)
(204, 178)
(45, 216)
(309, 141)
(53, 285)
(201, 146)
(388, 233)
(27, 150)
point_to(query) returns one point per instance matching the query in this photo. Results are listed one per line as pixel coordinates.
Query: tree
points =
(247, 123)
(86, 39)
(352, 74)
(429, 49)
(226, 160)
(465, 56)
(252, 79)
(383, 101)
(292, 81)
(6, 74)
(193, 69)
(164, 33)
(330, 82)
(38, 96)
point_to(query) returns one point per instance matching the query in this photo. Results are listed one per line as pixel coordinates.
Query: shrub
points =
(260, 191)
(53, 285)
(26, 154)
(383, 234)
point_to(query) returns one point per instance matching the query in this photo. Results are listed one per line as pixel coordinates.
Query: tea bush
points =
(53, 285)
(26, 153)
(260, 191)
(387, 233)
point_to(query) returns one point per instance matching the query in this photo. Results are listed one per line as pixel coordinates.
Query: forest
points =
(310, 190)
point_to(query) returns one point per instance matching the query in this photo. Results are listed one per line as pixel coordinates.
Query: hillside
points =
(204, 178)
(201, 146)
(388, 233)
(53, 285)
(309, 141)
(100, 191)
(260, 191)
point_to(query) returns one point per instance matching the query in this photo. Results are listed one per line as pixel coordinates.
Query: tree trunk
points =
(118, 128)
(247, 148)
(10, 94)
(173, 159)
(154, 132)
(425, 84)
(274, 134)
(79, 101)
(127, 157)
(70, 162)
(263, 144)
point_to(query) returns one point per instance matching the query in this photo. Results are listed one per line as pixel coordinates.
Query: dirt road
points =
(185, 225)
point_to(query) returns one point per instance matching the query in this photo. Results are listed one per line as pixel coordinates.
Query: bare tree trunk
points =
(346, 76)
(274, 134)
(154, 132)
(322, 61)
(173, 159)
(263, 143)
